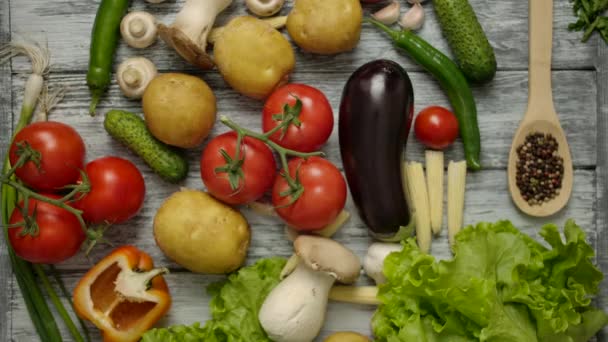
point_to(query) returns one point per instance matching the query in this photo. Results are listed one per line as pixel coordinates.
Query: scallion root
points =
(47, 101)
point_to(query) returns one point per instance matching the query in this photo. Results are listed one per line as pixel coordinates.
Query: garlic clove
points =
(413, 18)
(389, 14)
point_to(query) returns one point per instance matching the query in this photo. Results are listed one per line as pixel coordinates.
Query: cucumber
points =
(131, 130)
(466, 38)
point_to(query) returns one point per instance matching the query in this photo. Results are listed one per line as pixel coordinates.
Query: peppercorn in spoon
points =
(540, 167)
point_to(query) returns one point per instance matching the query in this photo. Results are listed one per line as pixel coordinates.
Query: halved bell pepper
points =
(123, 295)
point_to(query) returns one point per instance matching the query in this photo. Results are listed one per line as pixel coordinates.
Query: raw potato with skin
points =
(201, 233)
(179, 109)
(325, 27)
(253, 57)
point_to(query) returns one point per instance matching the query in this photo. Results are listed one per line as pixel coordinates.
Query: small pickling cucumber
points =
(131, 130)
(467, 40)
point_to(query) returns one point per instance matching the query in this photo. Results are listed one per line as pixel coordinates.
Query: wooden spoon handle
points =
(540, 44)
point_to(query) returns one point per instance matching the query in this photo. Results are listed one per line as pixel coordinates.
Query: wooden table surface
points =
(580, 83)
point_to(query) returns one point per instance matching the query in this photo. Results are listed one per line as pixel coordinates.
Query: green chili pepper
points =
(104, 40)
(451, 80)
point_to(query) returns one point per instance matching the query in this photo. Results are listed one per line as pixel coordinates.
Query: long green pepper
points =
(451, 80)
(104, 40)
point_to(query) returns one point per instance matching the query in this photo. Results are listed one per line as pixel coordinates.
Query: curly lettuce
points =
(234, 308)
(501, 285)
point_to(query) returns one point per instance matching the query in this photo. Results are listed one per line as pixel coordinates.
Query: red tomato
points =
(117, 191)
(62, 155)
(59, 233)
(323, 198)
(436, 127)
(259, 169)
(316, 119)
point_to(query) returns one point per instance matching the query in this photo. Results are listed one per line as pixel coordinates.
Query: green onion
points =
(36, 304)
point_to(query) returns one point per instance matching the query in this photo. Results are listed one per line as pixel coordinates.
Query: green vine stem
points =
(294, 184)
(26, 154)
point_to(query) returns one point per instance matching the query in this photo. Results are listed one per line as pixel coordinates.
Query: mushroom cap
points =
(264, 8)
(138, 29)
(186, 48)
(326, 255)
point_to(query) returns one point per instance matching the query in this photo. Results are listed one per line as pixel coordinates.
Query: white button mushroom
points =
(374, 259)
(294, 311)
(188, 33)
(134, 75)
(264, 8)
(138, 29)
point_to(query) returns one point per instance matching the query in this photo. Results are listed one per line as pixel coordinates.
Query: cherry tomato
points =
(315, 119)
(436, 127)
(258, 169)
(117, 191)
(61, 151)
(321, 201)
(59, 237)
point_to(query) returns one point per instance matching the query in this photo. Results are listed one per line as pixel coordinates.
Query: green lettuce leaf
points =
(234, 308)
(501, 285)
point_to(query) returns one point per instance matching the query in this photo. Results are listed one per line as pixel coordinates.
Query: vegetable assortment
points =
(500, 285)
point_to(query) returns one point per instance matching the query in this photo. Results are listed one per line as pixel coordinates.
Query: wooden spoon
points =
(540, 115)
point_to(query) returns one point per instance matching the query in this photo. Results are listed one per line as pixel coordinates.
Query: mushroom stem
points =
(137, 27)
(295, 310)
(132, 77)
(366, 295)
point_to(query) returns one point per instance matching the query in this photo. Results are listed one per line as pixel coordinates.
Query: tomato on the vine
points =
(322, 199)
(59, 233)
(61, 155)
(117, 191)
(436, 127)
(237, 181)
(308, 112)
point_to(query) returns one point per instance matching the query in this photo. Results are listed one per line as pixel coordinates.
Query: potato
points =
(201, 233)
(346, 336)
(179, 109)
(253, 57)
(325, 26)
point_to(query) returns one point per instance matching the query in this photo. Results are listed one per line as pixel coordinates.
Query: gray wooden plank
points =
(602, 172)
(191, 304)
(487, 200)
(68, 24)
(501, 105)
(6, 113)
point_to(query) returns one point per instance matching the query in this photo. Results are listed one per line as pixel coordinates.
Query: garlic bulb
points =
(389, 14)
(413, 18)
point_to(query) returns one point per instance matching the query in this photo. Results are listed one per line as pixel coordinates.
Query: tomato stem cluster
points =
(295, 187)
(26, 153)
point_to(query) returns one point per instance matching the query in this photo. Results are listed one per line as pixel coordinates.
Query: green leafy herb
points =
(501, 285)
(234, 308)
(591, 18)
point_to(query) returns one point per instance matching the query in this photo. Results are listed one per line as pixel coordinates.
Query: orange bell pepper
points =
(123, 295)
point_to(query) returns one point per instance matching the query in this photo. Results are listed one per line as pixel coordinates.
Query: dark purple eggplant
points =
(376, 113)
